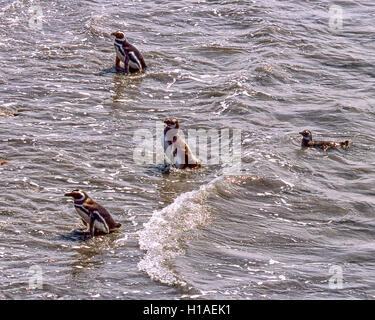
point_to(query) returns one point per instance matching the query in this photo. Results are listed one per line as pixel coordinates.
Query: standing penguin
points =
(93, 215)
(128, 54)
(176, 149)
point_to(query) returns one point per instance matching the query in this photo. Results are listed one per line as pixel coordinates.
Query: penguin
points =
(176, 149)
(93, 215)
(308, 142)
(128, 54)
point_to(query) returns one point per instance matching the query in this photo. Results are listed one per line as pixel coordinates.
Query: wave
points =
(165, 235)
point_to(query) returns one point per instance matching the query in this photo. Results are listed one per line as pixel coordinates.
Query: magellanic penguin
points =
(93, 215)
(176, 149)
(128, 54)
(308, 142)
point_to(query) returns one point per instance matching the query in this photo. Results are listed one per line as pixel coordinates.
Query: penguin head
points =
(77, 194)
(120, 36)
(306, 134)
(172, 123)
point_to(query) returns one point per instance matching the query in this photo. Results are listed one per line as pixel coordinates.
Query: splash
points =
(165, 235)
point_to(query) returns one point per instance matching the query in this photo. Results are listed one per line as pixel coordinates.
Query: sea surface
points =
(288, 224)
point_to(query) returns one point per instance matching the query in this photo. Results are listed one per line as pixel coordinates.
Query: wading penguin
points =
(176, 148)
(93, 215)
(308, 142)
(128, 54)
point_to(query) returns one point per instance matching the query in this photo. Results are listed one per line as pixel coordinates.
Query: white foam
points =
(165, 235)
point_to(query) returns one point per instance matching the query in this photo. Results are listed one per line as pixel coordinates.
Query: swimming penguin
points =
(128, 54)
(176, 148)
(93, 215)
(308, 142)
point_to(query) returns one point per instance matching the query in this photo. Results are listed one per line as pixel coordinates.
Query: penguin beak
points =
(301, 133)
(68, 194)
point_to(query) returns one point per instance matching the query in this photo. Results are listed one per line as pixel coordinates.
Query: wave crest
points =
(164, 236)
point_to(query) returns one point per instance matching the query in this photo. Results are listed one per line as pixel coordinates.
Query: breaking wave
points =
(164, 236)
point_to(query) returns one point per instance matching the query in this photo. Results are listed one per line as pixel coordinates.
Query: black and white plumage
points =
(176, 149)
(127, 54)
(308, 142)
(95, 217)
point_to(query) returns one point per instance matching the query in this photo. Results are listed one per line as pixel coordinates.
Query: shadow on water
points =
(119, 71)
(167, 170)
(74, 235)
(80, 235)
(107, 71)
(159, 169)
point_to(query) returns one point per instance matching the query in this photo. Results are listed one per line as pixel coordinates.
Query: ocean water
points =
(289, 224)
